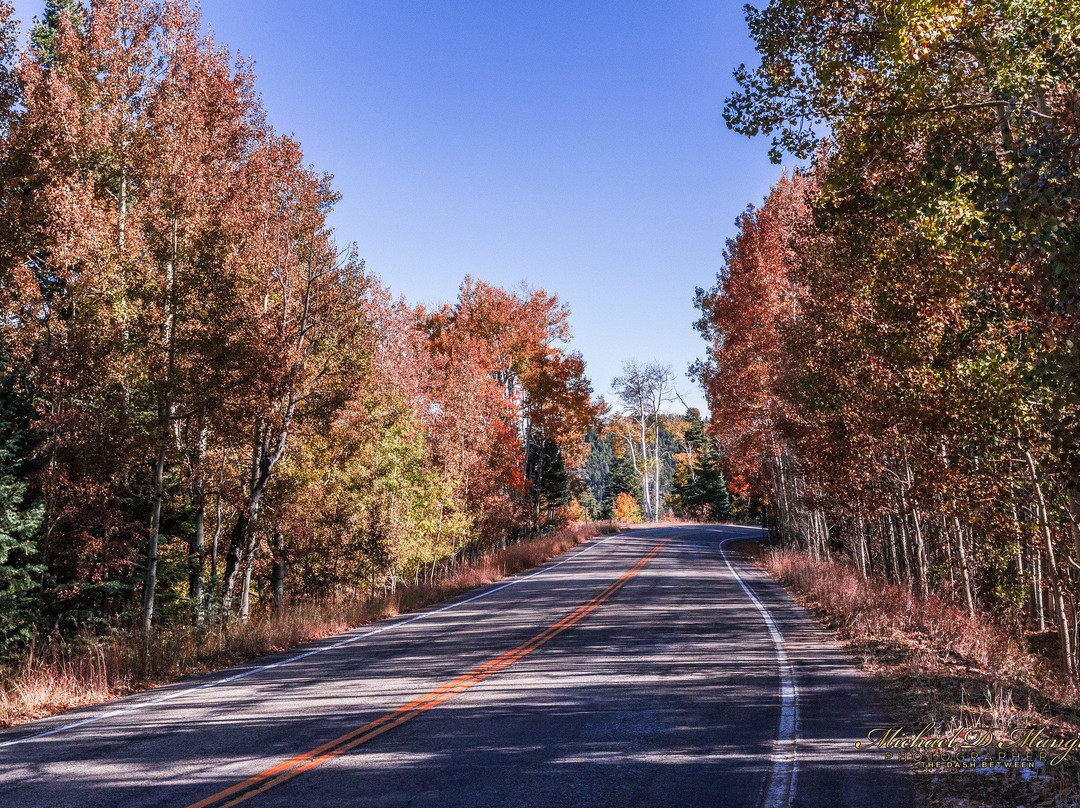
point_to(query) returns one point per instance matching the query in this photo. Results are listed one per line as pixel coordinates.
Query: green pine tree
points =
(19, 520)
(704, 493)
(43, 34)
(621, 479)
(552, 483)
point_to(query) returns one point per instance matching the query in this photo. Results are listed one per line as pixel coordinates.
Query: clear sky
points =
(576, 145)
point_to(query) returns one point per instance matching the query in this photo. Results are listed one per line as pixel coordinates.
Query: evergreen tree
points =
(552, 482)
(701, 489)
(43, 34)
(589, 504)
(19, 521)
(710, 494)
(597, 468)
(622, 479)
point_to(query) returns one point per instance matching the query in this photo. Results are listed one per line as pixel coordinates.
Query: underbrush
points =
(875, 611)
(90, 669)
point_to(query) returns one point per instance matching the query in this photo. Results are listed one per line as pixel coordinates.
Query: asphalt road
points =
(651, 668)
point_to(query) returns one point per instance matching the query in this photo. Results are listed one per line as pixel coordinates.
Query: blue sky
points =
(576, 146)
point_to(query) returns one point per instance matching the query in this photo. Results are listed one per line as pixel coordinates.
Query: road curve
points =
(650, 668)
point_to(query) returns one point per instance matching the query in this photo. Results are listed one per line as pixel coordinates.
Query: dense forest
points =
(893, 337)
(210, 408)
(208, 401)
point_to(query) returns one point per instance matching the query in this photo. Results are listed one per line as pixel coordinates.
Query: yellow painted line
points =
(276, 775)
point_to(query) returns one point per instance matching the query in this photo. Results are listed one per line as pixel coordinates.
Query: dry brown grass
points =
(875, 611)
(85, 670)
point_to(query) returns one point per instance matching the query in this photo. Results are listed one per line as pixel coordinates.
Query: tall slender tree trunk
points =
(820, 532)
(121, 240)
(164, 422)
(1072, 508)
(883, 548)
(647, 503)
(945, 538)
(1026, 570)
(217, 533)
(656, 470)
(894, 554)
(197, 543)
(965, 569)
(150, 582)
(539, 491)
(234, 554)
(922, 561)
(1037, 592)
(277, 578)
(264, 458)
(855, 545)
(1042, 515)
(901, 530)
(783, 505)
(245, 591)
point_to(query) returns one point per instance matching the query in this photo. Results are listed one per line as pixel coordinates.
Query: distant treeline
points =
(692, 483)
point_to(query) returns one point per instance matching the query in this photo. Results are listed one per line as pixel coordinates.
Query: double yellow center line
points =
(276, 775)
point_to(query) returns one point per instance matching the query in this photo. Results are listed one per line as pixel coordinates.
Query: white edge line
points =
(785, 762)
(340, 644)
